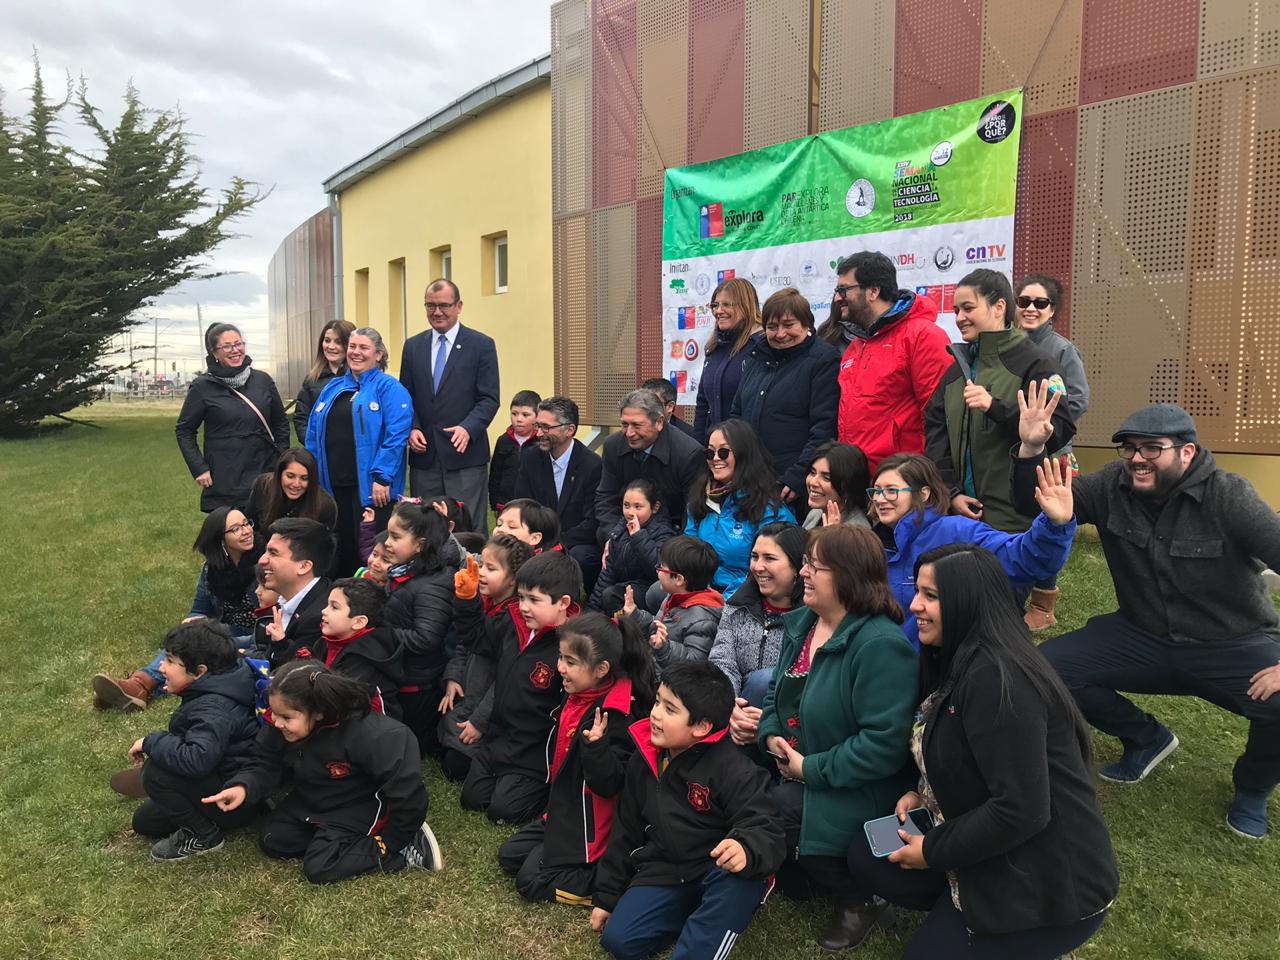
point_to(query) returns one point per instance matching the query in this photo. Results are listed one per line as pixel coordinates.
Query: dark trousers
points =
(470, 485)
(329, 853)
(511, 796)
(346, 556)
(703, 920)
(174, 802)
(521, 856)
(1109, 653)
(588, 557)
(809, 875)
(420, 714)
(943, 934)
(455, 764)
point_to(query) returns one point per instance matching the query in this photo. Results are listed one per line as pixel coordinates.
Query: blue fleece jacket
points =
(382, 411)
(732, 538)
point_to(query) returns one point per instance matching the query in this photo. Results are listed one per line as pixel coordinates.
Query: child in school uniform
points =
(530, 521)
(504, 466)
(356, 645)
(633, 547)
(357, 803)
(685, 625)
(608, 676)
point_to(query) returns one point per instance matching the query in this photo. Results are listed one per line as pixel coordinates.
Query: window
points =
(500, 265)
(397, 298)
(493, 263)
(362, 297)
(442, 262)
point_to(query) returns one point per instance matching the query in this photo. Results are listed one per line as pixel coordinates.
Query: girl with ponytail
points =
(609, 680)
(358, 804)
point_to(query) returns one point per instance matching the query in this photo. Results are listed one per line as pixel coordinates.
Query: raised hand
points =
(597, 729)
(629, 602)
(466, 582)
(275, 629)
(1035, 417)
(1053, 491)
(832, 516)
(658, 640)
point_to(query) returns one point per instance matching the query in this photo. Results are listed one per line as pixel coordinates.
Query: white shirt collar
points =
(289, 607)
(562, 461)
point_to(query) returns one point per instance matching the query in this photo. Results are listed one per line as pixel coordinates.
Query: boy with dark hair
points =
(355, 647)
(505, 465)
(210, 737)
(666, 391)
(695, 837)
(509, 773)
(530, 521)
(297, 553)
(686, 623)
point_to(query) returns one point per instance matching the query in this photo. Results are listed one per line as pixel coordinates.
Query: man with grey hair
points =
(561, 473)
(672, 461)
(451, 372)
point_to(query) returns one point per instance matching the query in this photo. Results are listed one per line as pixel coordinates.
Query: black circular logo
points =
(997, 121)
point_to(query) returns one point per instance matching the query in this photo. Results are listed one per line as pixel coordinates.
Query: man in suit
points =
(561, 473)
(297, 550)
(671, 460)
(666, 392)
(451, 372)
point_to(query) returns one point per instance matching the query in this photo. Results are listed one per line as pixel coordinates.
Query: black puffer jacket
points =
(632, 559)
(377, 661)
(308, 393)
(418, 613)
(213, 729)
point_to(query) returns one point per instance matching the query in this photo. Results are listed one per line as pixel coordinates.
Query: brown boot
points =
(131, 693)
(853, 920)
(1039, 615)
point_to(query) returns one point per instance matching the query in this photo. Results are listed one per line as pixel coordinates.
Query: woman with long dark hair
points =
(1019, 862)
(736, 308)
(738, 497)
(330, 362)
(292, 490)
(837, 486)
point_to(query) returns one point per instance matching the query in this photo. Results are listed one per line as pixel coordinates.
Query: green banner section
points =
(952, 164)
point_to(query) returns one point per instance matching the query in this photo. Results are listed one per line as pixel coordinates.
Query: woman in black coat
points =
(1019, 862)
(245, 427)
(788, 390)
(330, 361)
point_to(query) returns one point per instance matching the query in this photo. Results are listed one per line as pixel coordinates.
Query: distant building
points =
(300, 299)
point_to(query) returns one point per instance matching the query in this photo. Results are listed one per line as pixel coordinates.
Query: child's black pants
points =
(329, 852)
(174, 802)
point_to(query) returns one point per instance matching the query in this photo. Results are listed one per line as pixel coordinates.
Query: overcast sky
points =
(280, 92)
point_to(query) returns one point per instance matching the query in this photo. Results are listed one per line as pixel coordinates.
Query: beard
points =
(1166, 478)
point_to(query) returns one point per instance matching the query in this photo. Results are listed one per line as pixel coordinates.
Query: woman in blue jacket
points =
(736, 500)
(357, 432)
(910, 500)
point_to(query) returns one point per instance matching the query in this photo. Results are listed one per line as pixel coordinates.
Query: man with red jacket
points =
(895, 357)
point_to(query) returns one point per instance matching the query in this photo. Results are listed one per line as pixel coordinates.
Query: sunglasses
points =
(1040, 303)
(724, 453)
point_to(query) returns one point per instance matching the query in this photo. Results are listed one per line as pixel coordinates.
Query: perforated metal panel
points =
(649, 357)
(776, 84)
(1044, 223)
(1036, 45)
(570, 107)
(571, 302)
(662, 33)
(1238, 35)
(856, 62)
(716, 78)
(614, 103)
(613, 297)
(937, 54)
(1130, 46)
(1133, 183)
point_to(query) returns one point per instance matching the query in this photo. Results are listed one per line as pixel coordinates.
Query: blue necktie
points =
(442, 354)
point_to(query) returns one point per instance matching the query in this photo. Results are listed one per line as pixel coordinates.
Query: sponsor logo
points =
(699, 797)
(680, 380)
(941, 155)
(677, 268)
(997, 122)
(691, 350)
(678, 193)
(907, 261)
(808, 269)
(861, 198)
(986, 253)
(338, 769)
(944, 258)
(942, 295)
(913, 185)
(714, 220)
(541, 675)
(677, 284)
(677, 349)
(702, 284)
(723, 275)
(686, 318)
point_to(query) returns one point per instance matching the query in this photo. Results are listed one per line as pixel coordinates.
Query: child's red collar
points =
(641, 733)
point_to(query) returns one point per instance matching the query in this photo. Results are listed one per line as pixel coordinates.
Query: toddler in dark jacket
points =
(631, 552)
(687, 620)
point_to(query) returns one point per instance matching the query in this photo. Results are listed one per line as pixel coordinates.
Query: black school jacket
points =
(418, 613)
(667, 823)
(363, 775)
(1022, 830)
(376, 660)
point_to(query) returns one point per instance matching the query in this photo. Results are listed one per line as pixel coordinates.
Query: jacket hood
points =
(235, 683)
(698, 598)
(641, 733)
(378, 646)
(908, 305)
(996, 341)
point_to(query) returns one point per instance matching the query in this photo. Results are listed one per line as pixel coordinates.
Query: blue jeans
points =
(755, 685)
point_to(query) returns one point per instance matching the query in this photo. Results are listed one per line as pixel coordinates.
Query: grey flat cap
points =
(1159, 420)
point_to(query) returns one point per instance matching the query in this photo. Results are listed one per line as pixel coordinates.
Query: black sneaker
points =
(423, 852)
(1136, 764)
(182, 843)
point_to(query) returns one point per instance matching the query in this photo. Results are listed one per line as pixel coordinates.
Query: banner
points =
(933, 191)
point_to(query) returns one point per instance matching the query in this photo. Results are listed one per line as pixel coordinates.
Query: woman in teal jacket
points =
(739, 496)
(837, 716)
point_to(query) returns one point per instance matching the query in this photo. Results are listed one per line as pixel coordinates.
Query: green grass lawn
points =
(96, 533)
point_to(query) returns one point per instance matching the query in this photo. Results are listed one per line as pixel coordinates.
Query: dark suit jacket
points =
(468, 396)
(304, 627)
(576, 504)
(675, 462)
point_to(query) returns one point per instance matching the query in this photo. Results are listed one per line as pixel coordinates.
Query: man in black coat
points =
(671, 460)
(561, 473)
(451, 372)
(298, 548)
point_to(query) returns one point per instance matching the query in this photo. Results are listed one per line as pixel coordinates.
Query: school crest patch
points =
(338, 770)
(699, 797)
(541, 676)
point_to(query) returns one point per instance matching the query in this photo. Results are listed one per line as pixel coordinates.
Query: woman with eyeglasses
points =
(245, 427)
(225, 591)
(1037, 300)
(736, 309)
(330, 362)
(788, 391)
(734, 499)
(912, 512)
(836, 721)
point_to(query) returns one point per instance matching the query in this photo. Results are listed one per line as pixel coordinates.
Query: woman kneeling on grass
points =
(1019, 862)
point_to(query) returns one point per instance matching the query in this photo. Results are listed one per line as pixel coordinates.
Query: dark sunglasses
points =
(1041, 303)
(722, 454)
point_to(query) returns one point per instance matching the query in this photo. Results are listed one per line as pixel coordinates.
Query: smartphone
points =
(882, 833)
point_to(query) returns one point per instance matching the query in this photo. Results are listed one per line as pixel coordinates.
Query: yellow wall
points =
(488, 175)
(1262, 472)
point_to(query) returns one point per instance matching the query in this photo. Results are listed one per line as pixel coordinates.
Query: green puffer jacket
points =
(851, 719)
(1003, 361)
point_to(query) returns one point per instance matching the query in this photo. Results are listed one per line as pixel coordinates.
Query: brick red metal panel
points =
(1129, 46)
(937, 53)
(649, 357)
(614, 102)
(1043, 226)
(716, 77)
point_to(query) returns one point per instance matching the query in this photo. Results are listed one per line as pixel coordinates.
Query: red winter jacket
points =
(887, 378)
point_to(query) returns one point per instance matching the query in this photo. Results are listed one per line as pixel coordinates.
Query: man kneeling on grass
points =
(696, 836)
(1183, 540)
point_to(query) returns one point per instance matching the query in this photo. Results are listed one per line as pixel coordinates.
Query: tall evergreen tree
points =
(88, 238)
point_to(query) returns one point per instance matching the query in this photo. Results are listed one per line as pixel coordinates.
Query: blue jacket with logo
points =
(732, 538)
(383, 413)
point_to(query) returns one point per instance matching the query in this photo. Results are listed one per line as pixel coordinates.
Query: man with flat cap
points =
(1186, 543)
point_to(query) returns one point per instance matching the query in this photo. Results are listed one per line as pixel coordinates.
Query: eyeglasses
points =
(890, 494)
(723, 453)
(667, 570)
(545, 428)
(1041, 303)
(720, 305)
(1148, 451)
(843, 289)
(232, 347)
(439, 307)
(816, 568)
(235, 528)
